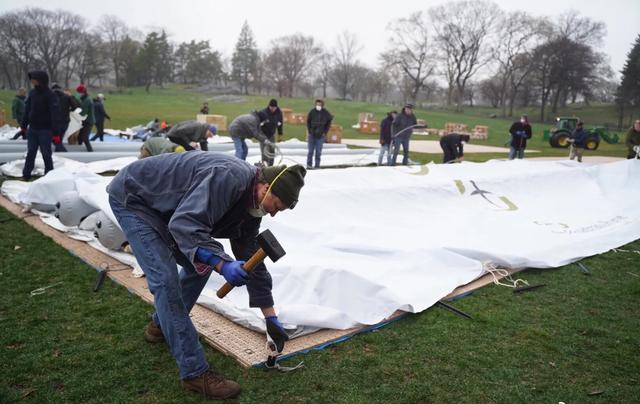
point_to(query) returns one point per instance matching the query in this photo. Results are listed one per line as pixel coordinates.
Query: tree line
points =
(452, 54)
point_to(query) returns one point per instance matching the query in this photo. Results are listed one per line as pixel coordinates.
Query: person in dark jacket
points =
(318, 125)
(183, 133)
(248, 126)
(43, 121)
(100, 115)
(520, 131)
(385, 137)
(632, 140)
(578, 140)
(67, 103)
(205, 108)
(17, 111)
(401, 131)
(272, 124)
(87, 110)
(172, 209)
(453, 147)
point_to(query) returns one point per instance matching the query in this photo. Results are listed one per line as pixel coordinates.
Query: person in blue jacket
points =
(520, 132)
(43, 120)
(172, 209)
(578, 140)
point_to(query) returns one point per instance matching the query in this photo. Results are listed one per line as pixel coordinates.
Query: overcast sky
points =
(220, 22)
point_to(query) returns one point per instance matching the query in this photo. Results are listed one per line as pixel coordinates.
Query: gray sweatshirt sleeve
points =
(200, 208)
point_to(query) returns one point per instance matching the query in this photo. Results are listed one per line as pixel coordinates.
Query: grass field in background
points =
(574, 340)
(177, 103)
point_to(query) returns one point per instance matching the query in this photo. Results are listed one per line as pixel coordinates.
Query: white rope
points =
(625, 251)
(501, 273)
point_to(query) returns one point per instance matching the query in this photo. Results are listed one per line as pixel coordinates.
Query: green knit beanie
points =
(286, 182)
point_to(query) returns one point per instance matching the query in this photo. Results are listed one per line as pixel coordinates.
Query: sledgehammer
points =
(269, 246)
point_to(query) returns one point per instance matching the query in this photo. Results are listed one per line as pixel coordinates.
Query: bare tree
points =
(288, 61)
(114, 31)
(18, 47)
(410, 50)
(323, 64)
(518, 35)
(345, 63)
(54, 33)
(462, 30)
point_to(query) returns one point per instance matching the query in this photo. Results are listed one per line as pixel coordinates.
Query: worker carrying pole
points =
(172, 208)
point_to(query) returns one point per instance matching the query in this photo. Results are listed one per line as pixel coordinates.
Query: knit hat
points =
(409, 105)
(213, 129)
(273, 103)
(285, 182)
(81, 89)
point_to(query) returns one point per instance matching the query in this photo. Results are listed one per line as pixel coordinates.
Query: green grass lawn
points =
(575, 340)
(177, 103)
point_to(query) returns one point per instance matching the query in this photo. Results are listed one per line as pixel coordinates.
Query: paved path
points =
(432, 146)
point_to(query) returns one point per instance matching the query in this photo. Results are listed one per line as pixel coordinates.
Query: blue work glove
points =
(276, 335)
(234, 273)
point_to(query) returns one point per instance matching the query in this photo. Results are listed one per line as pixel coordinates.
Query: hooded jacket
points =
(319, 122)
(17, 108)
(41, 108)
(100, 113)
(273, 122)
(191, 199)
(67, 102)
(401, 123)
(87, 110)
(520, 132)
(385, 130)
(248, 126)
(579, 137)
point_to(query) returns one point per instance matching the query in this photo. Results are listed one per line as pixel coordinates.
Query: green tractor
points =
(559, 136)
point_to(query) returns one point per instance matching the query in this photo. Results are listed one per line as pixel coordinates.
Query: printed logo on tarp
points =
(500, 202)
(563, 228)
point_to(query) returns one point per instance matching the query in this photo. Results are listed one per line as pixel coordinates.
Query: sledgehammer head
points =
(270, 245)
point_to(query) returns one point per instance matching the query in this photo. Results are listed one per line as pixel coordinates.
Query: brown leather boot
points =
(153, 333)
(212, 385)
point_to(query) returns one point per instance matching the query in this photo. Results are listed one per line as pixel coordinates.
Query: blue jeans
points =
(174, 292)
(516, 153)
(404, 141)
(38, 138)
(384, 149)
(314, 144)
(241, 148)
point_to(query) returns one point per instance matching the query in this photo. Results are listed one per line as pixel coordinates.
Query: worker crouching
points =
(172, 208)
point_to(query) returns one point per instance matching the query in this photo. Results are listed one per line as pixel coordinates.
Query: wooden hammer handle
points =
(248, 266)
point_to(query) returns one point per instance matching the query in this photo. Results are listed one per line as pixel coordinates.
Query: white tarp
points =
(364, 242)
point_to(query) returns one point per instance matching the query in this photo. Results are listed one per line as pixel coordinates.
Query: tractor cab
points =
(566, 123)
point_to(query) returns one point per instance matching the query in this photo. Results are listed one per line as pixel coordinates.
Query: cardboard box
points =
(365, 116)
(220, 121)
(369, 127)
(335, 134)
(297, 118)
(286, 114)
(480, 132)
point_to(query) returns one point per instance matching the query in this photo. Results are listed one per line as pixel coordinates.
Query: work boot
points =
(153, 333)
(212, 385)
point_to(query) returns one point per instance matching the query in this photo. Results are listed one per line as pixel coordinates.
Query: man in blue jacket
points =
(578, 140)
(43, 120)
(520, 131)
(172, 208)
(401, 131)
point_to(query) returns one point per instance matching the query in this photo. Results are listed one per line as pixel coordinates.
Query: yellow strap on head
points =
(273, 182)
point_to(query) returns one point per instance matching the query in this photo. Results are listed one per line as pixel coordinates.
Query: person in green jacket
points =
(17, 111)
(633, 140)
(87, 110)
(158, 145)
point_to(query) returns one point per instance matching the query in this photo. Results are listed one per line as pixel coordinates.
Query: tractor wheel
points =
(559, 139)
(592, 143)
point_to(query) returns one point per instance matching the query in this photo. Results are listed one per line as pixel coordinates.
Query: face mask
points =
(522, 121)
(259, 212)
(318, 108)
